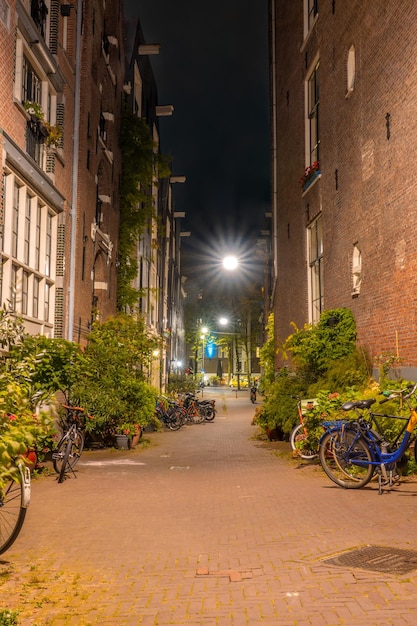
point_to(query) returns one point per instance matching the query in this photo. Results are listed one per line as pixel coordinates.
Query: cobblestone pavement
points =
(211, 526)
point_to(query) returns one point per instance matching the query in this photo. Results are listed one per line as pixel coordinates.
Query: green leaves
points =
(114, 368)
(314, 348)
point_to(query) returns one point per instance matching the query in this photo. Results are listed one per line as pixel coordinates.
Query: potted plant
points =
(52, 133)
(128, 435)
(310, 174)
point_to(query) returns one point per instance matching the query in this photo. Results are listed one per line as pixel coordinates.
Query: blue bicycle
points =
(351, 451)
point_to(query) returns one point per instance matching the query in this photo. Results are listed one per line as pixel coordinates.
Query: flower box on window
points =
(310, 173)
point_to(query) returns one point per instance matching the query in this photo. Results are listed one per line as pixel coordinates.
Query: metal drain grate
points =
(378, 559)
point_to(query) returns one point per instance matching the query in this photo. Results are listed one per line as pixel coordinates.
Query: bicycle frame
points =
(382, 459)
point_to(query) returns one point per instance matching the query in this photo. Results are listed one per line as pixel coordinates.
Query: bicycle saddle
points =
(359, 404)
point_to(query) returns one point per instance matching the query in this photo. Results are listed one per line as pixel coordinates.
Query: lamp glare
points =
(230, 263)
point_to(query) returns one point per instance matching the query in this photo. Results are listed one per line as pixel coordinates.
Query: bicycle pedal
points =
(56, 456)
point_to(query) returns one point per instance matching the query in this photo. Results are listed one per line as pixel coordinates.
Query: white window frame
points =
(315, 269)
(351, 70)
(312, 106)
(356, 270)
(311, 11)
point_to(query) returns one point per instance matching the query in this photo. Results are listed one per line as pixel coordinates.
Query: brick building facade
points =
(64, 80)
(343, 82)
(36, 80)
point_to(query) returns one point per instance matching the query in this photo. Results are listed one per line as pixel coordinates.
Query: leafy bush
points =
(20, 430)
(353, 370)
(324, 357)
(8, 617)
(279, 410)
(314, 348)
(114, 369)
(178, 383)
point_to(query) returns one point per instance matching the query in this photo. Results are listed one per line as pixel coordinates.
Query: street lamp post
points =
(230, 263)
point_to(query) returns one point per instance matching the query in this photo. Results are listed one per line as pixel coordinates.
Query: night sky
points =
(213, 68)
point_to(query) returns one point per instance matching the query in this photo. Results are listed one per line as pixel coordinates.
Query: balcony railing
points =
(35, 136)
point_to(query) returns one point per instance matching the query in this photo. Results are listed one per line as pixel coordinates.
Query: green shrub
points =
(279, 410)
(8, 617)
(181, 383)
(314, 348)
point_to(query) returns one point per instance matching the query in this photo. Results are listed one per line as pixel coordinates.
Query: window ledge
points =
(310, 183)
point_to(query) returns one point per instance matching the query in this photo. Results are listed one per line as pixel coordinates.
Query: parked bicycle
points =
(170, 413)
(14, 501)
(359, 447)
(71, 444)
(198, 410)
(299, 433)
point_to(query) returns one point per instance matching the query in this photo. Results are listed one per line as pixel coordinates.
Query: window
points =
(351, 69)
(13, 289)
(5, 13)
(25, 291)
(15, 221)
(315, 260)
(311, 8)
(39, 12)
(47, 301)
(35, 301)
(31, 83)
(313, 102)
(48, 245)
(356, 270)
(26, 248)
(38, 237)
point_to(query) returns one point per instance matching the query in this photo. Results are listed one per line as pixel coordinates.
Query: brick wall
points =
(367, 191)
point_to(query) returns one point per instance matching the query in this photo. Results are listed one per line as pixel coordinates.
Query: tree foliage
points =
(267, 355)
(314, 347)
(115, 367)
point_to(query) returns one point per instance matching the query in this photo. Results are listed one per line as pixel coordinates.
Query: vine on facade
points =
(143, 166)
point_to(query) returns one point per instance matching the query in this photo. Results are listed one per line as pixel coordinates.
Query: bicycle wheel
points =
(297, 437)
(12, 512)
(338, 450)
(173, 419)
(77, 448)
(210, 414)
(65, 467)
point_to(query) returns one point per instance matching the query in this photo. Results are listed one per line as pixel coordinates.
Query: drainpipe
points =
(274, 142)
(76, 142)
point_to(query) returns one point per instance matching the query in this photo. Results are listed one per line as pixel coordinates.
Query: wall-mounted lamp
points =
(177, 179)
(185, 234)
(179, 214)
(164, 110)
(149, 48)
(66, 9)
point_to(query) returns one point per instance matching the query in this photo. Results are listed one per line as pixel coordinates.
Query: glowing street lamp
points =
(230, 263)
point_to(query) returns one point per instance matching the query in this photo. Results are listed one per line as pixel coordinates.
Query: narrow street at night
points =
(211, 525)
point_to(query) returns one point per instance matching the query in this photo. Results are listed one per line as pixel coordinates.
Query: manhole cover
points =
(378, 559)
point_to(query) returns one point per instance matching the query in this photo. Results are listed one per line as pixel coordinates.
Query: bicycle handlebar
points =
(399, 393)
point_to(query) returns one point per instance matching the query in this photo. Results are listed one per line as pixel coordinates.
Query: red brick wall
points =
(374, 204)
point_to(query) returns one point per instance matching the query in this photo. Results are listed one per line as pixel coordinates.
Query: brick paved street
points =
(208, 526)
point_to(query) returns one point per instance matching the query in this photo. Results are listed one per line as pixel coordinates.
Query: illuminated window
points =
(356, 270)
(351, 69)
